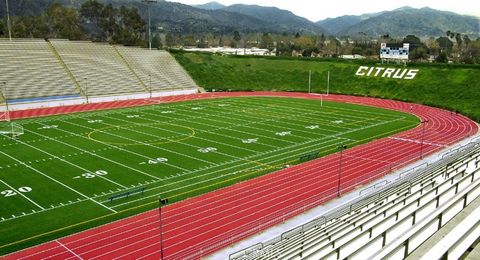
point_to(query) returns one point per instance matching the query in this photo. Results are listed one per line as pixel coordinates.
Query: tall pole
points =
(424, 122)
(328, 82)
(86, 88)
(341, 148)
(309, 81)
(9, 24)
(148, 2)
(150, 84)
(5, 96)
(149, 29)
(161, 227)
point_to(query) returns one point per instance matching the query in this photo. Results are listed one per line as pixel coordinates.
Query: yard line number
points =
(9, 193)
(91, 175)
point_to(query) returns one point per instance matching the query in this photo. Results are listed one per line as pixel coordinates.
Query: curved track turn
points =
(199, 226)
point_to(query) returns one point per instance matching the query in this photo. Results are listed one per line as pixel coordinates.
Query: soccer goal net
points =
(8, 127)
(11, 128)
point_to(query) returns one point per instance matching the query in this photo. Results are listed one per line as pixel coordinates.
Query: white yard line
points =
(56, 181)
(94, 154)
(138, 142)
(21, 194)
(63, 160)
(186, 144)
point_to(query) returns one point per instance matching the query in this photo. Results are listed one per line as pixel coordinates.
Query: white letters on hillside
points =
(394, 73)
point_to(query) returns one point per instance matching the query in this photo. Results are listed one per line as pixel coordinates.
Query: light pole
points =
(160, 203)
(150, 85)
(341, 148)
(424, 122)
(5, 96)
(9, 24)
(86, 88)
(309, 81)
(148, 2)
(328, 82)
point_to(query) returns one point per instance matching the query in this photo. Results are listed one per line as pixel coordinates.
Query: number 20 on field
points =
(9, 193)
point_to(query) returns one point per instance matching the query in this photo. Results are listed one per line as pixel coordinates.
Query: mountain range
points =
(214, 17)
(403, 21)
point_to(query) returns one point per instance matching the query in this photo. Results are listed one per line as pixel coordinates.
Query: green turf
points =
(454, 87)
(64, 168)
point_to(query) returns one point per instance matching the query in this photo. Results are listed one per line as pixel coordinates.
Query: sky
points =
(316, 10)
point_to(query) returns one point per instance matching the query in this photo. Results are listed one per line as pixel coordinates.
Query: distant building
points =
(352, 57)
(398, 54)
(234, 51)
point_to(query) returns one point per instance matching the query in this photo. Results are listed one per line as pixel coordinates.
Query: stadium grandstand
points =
(36, 70)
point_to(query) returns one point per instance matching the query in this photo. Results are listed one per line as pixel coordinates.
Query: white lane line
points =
(68, 249)
(21, 194)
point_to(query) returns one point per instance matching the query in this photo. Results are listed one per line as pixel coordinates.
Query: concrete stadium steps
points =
(157, 68)
(31, 70)
(359, 232)
(98, 67)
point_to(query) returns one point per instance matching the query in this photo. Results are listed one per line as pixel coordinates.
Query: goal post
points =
(4, 111)
(11, 128)
(7, 127)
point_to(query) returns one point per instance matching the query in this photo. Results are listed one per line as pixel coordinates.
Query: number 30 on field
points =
(9, 193)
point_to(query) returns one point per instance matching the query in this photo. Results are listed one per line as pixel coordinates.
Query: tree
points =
(130, 27)
(266, 42)
(442, 57)
(169, 40)
(236, 37)
(458, 39)
(91, 11)
(2, 29)
(63, 22)
(466, 40)
(444, 43)
(413, 40)
(108, 22)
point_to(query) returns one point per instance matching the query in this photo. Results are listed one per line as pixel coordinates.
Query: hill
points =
(210, 6)
(422, 22)
(455, 87)
(283, 19)
(180, 18)
(341, 23)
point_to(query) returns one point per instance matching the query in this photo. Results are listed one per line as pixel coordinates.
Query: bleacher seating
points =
(59, 69)
(157, 68)
(30, 70)
(98, 67)
(386, 225)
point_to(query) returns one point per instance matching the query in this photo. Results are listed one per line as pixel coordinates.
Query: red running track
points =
(202, 225)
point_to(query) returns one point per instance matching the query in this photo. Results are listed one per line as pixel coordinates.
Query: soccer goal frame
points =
(4, 111)
(7, 127)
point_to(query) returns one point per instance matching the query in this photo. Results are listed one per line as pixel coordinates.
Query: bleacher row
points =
(35, 68)
(388, 224)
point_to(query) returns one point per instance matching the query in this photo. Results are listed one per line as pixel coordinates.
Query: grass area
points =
(57, 178)
(454, 87)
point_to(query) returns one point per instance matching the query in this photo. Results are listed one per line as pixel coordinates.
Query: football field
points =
(72, 172)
